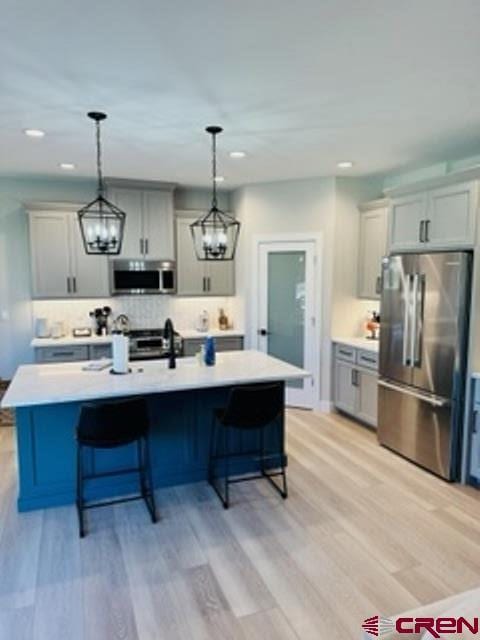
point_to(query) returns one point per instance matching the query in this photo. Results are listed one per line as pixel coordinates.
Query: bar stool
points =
(249, 408)
(108, 425)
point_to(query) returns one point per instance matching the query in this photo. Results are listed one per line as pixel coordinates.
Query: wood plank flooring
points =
(363, 532)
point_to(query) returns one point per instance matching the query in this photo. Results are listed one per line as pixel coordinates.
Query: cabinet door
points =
(451, 216)
(158, 224)
(68, 353)
(234, 343)
(367, 397)
(130, 201)
(373, 246)
(50, 255)
(406, 216)
(190, 272)
(89, 273)
(191, 346)
(345, 389)
(220, 278)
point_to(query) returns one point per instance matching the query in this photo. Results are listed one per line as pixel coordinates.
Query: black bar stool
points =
(249, 408)
(108, 425)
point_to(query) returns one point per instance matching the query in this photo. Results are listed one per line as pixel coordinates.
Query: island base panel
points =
(180, 442)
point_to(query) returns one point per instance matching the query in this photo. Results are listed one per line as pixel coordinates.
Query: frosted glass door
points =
(286, 308)
(286, 311)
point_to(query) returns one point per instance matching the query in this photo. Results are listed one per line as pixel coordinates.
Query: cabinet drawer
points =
(229, 344)
(98, 351)
(367, 359)
(343, 352)
(61, 354)
(191, 346)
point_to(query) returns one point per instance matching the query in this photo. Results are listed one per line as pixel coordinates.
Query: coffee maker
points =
(100, 317)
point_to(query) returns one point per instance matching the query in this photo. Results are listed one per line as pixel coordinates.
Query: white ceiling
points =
(298, 85)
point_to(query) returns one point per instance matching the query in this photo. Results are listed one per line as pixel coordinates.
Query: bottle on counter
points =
(209, 351)
(222, 320)
(203, 323)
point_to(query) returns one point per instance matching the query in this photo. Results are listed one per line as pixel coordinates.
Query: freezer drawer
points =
(419, 429)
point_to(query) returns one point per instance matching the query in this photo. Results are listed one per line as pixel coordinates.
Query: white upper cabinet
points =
(373, 247)
(441, 218)
(89, 273)
(198, 277)
(130, 201)
(406, 221)
(451, 216)
(149, 223)
(50, 254)
(158, 224)
(59, 265)
(190, 272)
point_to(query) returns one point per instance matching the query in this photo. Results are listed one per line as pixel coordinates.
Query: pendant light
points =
(101, 222)
(215, 234)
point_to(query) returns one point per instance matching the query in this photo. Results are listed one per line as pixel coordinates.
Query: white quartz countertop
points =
(359, 343)
(56, 383)
(215, 333)
(68, 341)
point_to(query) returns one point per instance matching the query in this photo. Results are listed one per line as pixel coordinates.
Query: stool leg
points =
(79, 501)
(284, 494)
(150, 495)
(226, 501)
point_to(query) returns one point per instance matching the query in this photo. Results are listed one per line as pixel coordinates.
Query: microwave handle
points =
(146, 246)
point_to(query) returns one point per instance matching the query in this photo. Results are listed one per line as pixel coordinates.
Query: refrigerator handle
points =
(407, 338)
(419, 299)
(435, 402)
(413, 320)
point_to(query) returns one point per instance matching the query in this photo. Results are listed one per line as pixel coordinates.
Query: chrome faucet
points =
(169, 334)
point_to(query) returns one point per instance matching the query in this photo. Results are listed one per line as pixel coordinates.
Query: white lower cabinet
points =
(367, 397)
(356, 383)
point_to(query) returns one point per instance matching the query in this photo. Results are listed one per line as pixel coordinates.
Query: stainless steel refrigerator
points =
(423, 349)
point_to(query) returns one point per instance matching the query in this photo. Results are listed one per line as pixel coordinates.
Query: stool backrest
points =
(253, 406)
(110, 424)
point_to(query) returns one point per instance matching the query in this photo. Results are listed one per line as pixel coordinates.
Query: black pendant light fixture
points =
(101, 222)
(215, 234)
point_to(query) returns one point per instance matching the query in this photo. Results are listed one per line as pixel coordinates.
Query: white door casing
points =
(308, 395)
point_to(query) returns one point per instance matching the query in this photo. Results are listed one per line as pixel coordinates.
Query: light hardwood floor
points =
(363, 532)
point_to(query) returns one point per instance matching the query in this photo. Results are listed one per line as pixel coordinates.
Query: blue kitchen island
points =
(47, 399)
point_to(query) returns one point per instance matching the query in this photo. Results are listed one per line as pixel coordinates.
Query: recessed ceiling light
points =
(67, 166)
(237, 154)
(219, 179)
(345, 164)
(34, 133)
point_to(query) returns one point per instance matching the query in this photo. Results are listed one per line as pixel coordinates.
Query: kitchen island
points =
(47, 399)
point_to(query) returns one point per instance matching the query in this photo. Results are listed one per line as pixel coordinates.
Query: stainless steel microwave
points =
(142, 277)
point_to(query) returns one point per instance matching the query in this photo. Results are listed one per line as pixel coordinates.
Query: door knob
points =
(263, 332)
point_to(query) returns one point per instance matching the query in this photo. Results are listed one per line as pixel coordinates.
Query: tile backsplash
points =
(143, 311)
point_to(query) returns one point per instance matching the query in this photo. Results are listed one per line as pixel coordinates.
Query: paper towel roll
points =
(120, 353)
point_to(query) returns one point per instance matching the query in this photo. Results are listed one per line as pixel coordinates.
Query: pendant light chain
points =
(101, 187)
(214, 170)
